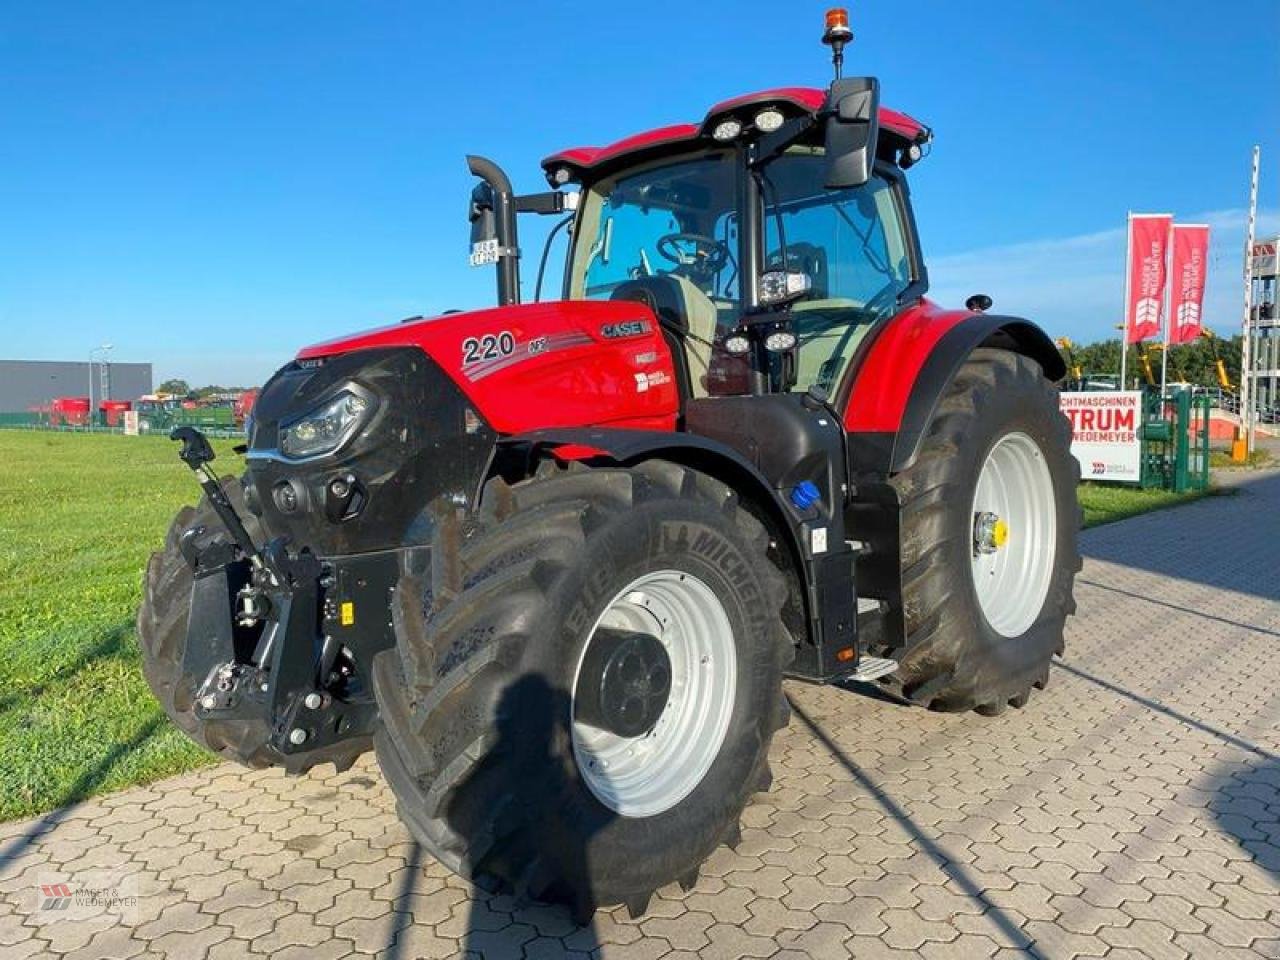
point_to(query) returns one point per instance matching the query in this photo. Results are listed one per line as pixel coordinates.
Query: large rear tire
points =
(989, 540)
(483, 701)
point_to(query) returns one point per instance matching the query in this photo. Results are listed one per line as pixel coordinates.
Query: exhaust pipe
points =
(493, 217)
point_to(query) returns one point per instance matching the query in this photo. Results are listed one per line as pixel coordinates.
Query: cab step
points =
(873, 668)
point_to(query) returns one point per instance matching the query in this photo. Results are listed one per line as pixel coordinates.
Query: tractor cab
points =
(767, 239)
(769, 302)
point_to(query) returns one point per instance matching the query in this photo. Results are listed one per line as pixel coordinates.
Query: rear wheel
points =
(586, 683)
(989, 547)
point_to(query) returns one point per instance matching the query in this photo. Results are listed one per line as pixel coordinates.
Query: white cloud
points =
(1074, 286)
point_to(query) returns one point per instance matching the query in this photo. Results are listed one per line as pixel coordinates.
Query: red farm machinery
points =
(553, 560)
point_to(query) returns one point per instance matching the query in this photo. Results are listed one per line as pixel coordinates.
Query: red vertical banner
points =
(1148, 250)
(1186, 276)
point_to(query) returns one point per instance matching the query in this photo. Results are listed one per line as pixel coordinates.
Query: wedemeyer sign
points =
(1186, 277)
(1104, 433)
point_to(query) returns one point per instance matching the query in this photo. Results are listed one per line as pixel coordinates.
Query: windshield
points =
(679, 219)
(674, 219)
(852, 246)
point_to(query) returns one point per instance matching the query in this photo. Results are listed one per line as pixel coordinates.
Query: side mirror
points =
(484, 229)
(978, 303)
(853, 127)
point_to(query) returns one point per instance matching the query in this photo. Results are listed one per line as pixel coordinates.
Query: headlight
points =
(326, 428)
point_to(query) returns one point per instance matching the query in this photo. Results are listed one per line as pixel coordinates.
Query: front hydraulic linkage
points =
(267, 682)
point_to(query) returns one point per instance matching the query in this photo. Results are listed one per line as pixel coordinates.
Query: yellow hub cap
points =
(999, 533)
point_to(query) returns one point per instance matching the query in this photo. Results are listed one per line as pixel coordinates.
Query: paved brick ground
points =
(1132, 809)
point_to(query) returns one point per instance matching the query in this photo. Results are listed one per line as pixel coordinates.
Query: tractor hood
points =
(539, 365)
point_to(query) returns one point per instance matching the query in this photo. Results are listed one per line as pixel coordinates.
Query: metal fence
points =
(216, 426)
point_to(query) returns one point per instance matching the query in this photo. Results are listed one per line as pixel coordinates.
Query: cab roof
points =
(793, 101)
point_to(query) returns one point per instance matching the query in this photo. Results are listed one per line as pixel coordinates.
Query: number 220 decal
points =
(489, 347)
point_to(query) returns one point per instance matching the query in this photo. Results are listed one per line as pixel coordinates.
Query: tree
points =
(178, 387)
(1194, 362)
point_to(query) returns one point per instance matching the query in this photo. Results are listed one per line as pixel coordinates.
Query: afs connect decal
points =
(482, 356)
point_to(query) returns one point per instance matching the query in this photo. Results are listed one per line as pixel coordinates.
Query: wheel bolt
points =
(313, 701)
(209, 702)
(297, 736)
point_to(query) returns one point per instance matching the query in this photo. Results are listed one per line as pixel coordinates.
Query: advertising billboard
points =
(1104, 433)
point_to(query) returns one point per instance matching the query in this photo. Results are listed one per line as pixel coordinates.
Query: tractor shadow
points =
(533, 732)
(1246, 796)
(82, 788)
(113, 643)
(1244, 792)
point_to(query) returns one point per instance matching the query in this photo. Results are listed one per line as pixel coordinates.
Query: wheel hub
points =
(653, 693)
(624, 682)
(990, 532)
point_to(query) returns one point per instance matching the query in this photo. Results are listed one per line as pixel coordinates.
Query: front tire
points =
(483, 738)
(989, 540)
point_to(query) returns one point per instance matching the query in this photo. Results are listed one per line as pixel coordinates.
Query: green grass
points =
(79, 515)
(1104, 503)
(1221, 459)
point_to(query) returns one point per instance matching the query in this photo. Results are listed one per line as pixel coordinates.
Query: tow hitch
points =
(271, 656)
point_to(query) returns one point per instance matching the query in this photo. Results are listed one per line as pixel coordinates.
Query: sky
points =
(210, 186)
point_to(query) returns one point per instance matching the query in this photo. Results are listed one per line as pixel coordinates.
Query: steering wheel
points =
(707, 258)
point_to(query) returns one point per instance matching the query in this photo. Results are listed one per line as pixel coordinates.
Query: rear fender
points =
(921, 362)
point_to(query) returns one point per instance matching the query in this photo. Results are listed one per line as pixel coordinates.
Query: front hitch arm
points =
(196, 453)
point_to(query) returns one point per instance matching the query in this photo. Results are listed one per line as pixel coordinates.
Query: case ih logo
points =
(57, 896)
(628, 328)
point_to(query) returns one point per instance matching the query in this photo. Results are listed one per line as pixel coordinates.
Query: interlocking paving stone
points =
(1131, 810)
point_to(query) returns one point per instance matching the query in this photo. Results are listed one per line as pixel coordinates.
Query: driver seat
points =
(688, 319)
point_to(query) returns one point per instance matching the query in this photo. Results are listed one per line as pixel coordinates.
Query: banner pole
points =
(1168, 310)
(1246, 349)
(1124, 327)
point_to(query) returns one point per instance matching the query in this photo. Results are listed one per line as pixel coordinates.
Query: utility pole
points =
(1246, 348)
(102, 351)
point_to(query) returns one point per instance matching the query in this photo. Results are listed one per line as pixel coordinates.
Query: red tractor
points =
(553, 560)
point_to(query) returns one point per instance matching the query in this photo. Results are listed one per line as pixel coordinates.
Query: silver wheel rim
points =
(1012, 580)
(646, 775)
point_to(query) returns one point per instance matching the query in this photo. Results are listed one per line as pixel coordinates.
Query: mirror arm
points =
(548, 202)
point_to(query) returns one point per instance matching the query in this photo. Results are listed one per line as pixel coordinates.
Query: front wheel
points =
(586, 684)
(988, 552)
